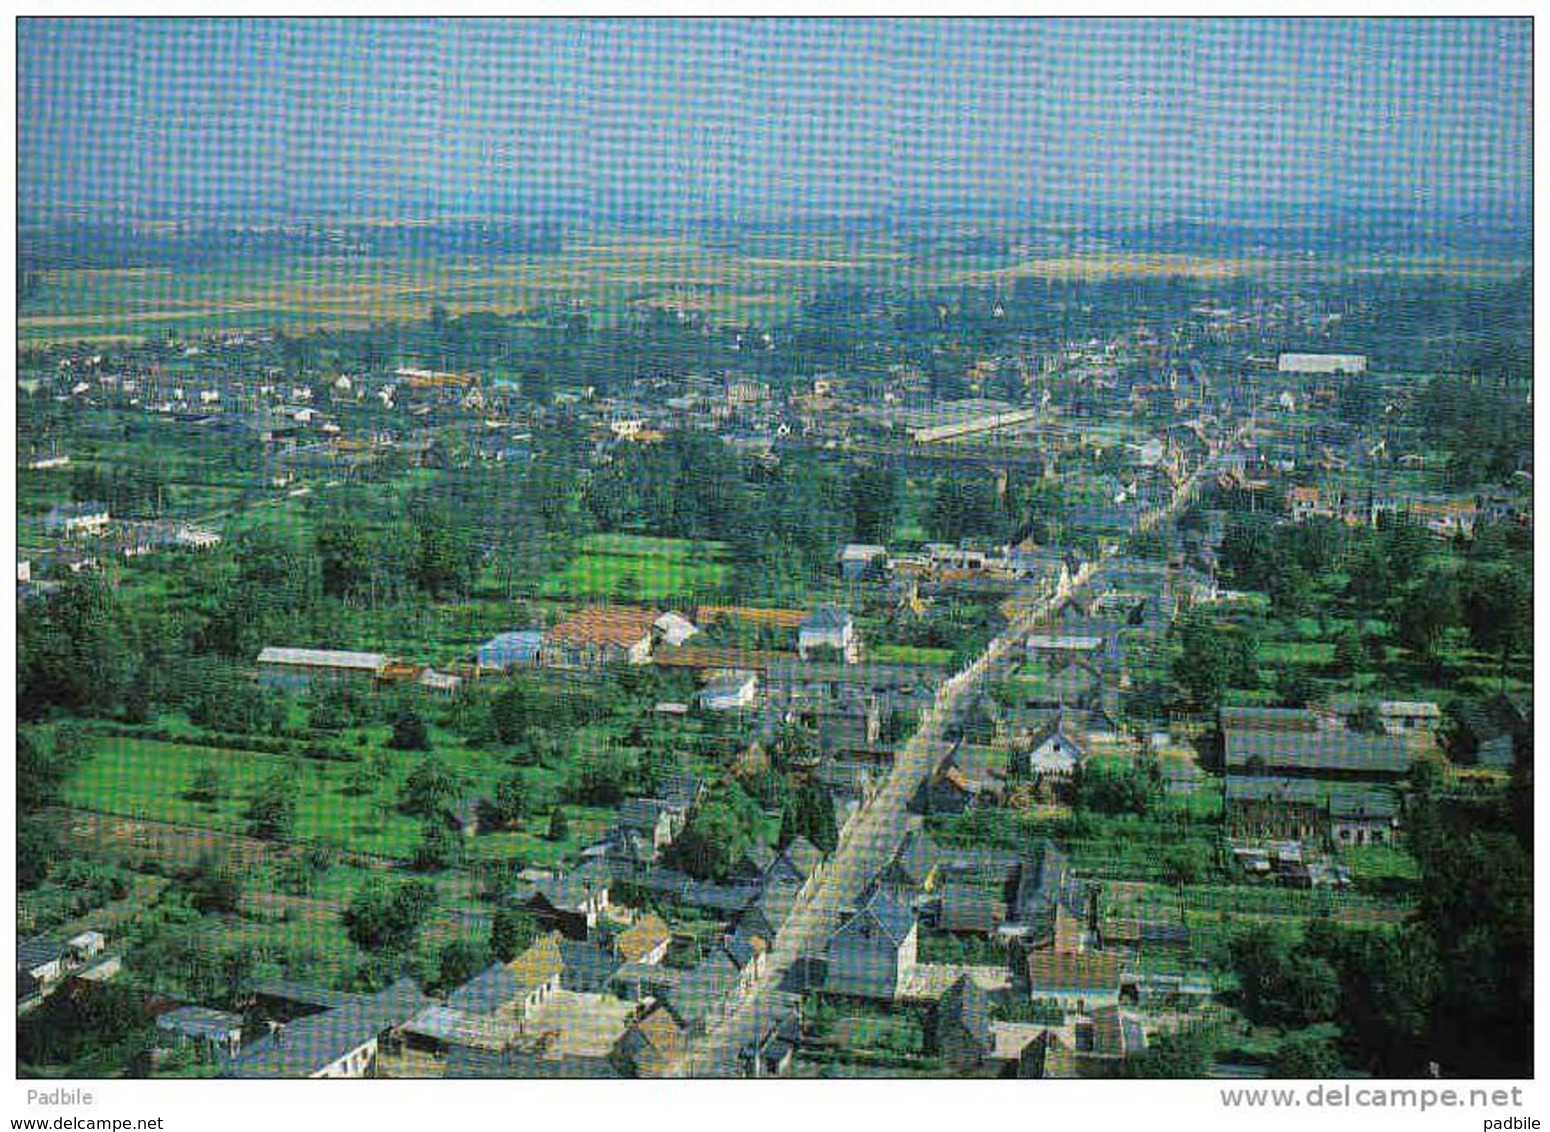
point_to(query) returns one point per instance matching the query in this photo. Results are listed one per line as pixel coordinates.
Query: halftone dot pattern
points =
(666, 548)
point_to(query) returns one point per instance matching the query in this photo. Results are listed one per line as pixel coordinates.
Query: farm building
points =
(971, 910)
(652, 1046)
(1055, 750)
(1278, 809)
(440, 683)
(1056, 646)
(571, 903)
(299, 668)
(1346, 755)
(1268, 719)
(961, 1024)
(1306, 810)
(699, 998)
(1363, 817)
(505, 651)
(645, 941)
(601, 635)
(40, 964)
(535, 975)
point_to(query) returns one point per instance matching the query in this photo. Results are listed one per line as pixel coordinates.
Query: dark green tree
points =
(1426, 612)
(344, 554)
(445, 556)
(460, 961)
(1306, 1056)
(386, 917)
(410, 732)
(512, 931)
(439, 848)
(1498, 610)
(430, 789)
(215, 887)
(874, 504)
(510, 804)
(559, 825)
(271, 811)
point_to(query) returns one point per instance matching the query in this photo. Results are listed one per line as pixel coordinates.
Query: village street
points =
(877, 832)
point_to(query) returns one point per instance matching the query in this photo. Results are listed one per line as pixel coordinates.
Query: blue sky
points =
(747, 117)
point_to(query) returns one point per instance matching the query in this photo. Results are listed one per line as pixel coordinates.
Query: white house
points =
(675, 628)
(858, 560)
(1056, 751)
(77, 519)
(196, 538)
(730, 691)
(829, 627)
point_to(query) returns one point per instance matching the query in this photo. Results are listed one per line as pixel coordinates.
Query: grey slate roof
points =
(587, 967)
(917, 857)
(200, 1022)
(311, 1044)
(569, 892)
(802, 857)
(487, 992)
(967, 907)
(511, 648)
(640, 813)
(1045, 880)
(1257, 718)
(304, 994)
(1341, 752)
(884, 911)
(703, 990)
(37, 951)
(965, 1004)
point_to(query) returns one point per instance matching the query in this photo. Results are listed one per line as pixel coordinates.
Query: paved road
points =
(872, 839)
(870, 842)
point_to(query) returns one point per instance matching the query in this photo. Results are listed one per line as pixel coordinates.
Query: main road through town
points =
(873, 837)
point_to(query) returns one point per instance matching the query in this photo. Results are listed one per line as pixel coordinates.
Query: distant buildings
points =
(505, 651)
(72, 519)
(599, 636)
(1322, 363)
(300, 668)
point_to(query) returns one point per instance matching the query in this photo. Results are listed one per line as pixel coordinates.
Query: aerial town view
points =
(753, 549)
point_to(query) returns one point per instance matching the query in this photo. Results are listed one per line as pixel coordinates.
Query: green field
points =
(909, 654)
(635, 567)
(148, 778)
